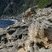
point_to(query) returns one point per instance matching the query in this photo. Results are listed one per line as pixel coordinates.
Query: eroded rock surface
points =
(31, 33)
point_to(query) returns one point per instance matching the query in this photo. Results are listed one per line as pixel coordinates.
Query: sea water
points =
(5, 23)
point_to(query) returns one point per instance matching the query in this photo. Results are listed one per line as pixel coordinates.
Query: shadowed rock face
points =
(48, 33)
(11, 6)
(14, 7)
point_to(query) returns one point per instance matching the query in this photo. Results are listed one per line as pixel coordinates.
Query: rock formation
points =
(30, 33)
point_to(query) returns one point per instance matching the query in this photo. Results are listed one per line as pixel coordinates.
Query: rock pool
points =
(6, 22)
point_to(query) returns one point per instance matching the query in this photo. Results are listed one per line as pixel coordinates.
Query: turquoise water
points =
(5, 23)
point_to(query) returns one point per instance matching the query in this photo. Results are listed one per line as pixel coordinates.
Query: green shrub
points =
(43, 3)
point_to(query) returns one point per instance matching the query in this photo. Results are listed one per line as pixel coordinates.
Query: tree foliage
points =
(43, 3)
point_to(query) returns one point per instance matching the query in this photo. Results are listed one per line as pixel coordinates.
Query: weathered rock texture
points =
(31, 33)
